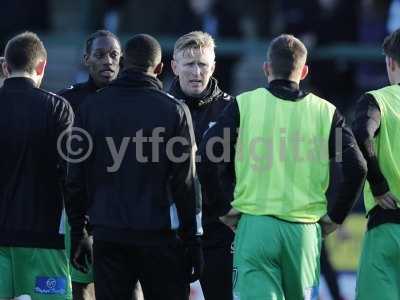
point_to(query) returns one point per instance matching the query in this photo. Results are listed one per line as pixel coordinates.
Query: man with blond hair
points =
(280, 170)
(194, 64)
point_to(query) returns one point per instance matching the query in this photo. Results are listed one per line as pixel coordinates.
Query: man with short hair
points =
(194, 64)
(377, 130)
(102, 57)
(279, 142)
(33, 263)
(139, 185)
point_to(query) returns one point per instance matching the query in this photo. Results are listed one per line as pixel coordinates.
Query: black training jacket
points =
(129, 186)
(31, 204)
(205, 110)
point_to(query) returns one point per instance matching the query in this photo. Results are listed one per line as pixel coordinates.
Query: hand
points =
(327, 225)
(82, 253)
(231, 219)
(386, 201)
(194, 260)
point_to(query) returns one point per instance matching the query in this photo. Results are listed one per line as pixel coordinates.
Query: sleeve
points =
(365, 128)
(343, 150)
(63, 117)
(185, 186)
(217, 156)
(76, 199)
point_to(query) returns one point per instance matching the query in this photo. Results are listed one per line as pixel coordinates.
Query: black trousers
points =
(216, 281)
(160, 270)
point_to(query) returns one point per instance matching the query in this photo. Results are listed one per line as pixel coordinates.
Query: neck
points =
(272, 78)
(23, 74)
(395, 79)
(146, 71)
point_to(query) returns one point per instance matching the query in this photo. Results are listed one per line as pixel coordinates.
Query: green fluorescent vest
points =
(387, 141)
(282, 156)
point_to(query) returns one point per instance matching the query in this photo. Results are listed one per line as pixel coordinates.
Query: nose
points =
(196, 70)
(107, 60)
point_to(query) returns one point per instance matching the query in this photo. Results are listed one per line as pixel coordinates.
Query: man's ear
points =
(213, 67)
(267, 69)
(158, 69)
(393, 64)
(41, 66)
(174, 66)
(6, 69)
(85, 59)
(304, 72)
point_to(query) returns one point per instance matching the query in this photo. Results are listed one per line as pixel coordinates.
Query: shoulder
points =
(72, 89)
(56, 102)
(316, 99)
(50, 95)
(225, 97)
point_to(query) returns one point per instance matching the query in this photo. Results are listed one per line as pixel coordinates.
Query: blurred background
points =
(343, 36)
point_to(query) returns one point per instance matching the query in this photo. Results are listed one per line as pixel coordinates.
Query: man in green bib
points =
(272, 150)
(377, 130)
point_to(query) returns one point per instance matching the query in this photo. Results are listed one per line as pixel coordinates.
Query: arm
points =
(216, 169)
(185, 186)
(186, 191)
(343, 149)
(76, 201)
(366, 127)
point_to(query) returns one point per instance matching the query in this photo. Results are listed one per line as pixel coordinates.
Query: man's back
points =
(30, 196)
(131, 123)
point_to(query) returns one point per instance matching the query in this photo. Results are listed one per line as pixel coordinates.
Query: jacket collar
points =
(286, 89)
(18, 82)
(136, 78)
(210, 94)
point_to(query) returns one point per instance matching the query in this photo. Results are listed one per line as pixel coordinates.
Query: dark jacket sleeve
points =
(366, 127)
(343, 150)
(76, 199)
(185, 186)
(217, 156)
(63, 117)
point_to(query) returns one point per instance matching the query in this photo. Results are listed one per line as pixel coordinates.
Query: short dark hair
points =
(285, 55)
(391, 45)
(24, 51)
(142, 51)
(98, 34)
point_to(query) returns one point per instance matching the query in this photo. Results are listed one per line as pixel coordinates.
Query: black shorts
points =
(160, 270)
(216, 281)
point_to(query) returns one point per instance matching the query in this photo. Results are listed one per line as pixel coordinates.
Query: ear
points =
(213, 68)
(6, 69)
(304, 72)
(393, 64)
(85, 59)
(158, 69)
(266, 69)
(41, 66)
(174, 67)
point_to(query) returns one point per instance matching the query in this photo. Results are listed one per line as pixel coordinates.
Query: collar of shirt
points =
(286, 90)
(135, 77)
(18, 82)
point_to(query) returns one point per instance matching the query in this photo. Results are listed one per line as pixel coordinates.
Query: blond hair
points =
(192, 41)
